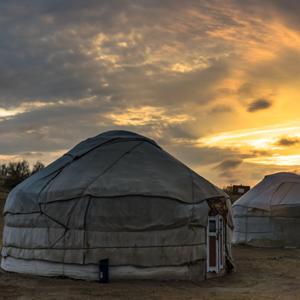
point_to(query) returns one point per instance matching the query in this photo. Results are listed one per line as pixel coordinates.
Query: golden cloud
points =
(146, 115)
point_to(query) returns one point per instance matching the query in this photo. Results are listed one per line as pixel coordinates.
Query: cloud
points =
(146, 115)
(277, 160)
(201, 156)
(228, 169)
(197, 86)
(288, 141)
(125, 50)
(259, 104)
(229, 164)
(287, 10)
(220, 109)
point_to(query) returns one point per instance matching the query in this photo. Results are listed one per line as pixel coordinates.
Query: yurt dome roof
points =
(277, 189)
(113, 164)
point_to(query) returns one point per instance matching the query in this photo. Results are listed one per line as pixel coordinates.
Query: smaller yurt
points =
(117, 204)
(269, 214)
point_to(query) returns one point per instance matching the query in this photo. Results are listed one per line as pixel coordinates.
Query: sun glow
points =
(257, 138)
(264, 140)
(278, 160)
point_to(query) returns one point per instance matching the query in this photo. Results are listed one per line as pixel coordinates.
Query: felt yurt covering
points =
(269, 214)
(119, 196)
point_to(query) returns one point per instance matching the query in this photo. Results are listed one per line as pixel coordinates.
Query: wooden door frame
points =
(219, 234)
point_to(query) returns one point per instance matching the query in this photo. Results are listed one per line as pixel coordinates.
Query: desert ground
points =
(260, 274)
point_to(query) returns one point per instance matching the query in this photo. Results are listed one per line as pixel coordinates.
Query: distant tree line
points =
(12, 173)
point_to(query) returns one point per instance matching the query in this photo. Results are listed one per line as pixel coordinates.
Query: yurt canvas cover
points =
(119, 196)
(269, 214)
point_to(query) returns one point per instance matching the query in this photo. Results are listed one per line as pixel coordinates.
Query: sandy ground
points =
(260, 274)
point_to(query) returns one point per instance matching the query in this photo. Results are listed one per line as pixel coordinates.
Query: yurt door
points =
(215, 244)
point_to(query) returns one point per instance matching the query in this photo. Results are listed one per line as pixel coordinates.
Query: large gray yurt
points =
(117, 196)
(269, 214)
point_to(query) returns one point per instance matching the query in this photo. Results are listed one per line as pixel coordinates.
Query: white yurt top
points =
(112, 164)
(279, 189)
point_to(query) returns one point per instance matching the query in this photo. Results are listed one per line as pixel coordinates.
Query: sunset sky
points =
(215, 83)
